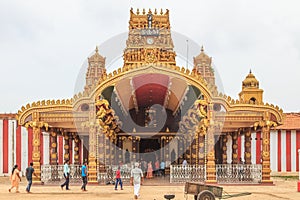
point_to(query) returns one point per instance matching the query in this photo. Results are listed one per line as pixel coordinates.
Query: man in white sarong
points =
(136, 180)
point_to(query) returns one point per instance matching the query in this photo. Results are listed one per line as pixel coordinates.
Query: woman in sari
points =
(149, 170)
(15, 179)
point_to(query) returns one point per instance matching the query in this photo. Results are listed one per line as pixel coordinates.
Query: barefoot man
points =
(136, 180)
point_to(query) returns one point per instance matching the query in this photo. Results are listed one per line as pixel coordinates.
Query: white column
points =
(229, 149)
(1, 147)
(73, 143)
(24, 149)
(46, 148)
(283, 151)
(11, 152)
(253, 148)
(293, 151)
(273, 151)
(242, 148)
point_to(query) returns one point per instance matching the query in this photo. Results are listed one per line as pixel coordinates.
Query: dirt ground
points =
(282, 189)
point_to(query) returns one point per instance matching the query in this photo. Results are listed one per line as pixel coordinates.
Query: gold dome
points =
(250, 81)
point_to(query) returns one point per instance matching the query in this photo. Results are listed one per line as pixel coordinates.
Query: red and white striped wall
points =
(20, 138)
(284, 145)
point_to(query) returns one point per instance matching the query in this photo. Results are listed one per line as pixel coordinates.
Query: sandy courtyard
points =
(283, 189)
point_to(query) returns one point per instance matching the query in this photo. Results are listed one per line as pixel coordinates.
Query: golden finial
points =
(138, 11)
(144, 12)
(155, 11)
(96, 49)
(149, 12)
(250, 71)
(161, 11)
(202, 48)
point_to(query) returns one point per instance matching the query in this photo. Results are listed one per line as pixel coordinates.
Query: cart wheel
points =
(206, 195)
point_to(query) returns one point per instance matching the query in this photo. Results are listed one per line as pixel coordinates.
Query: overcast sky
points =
(44, 44)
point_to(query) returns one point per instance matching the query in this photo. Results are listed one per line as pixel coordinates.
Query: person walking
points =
(84, 176)
(118, 179)
(162, 167)
(136, 179)
(29, 172)
(66, 175)
(149, 170)
(15, 179)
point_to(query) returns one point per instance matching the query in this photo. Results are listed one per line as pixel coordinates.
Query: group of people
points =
(15, 178)
(136, 179)
(150, 170)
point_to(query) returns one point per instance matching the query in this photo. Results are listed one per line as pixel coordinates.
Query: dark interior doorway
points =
(148, 148)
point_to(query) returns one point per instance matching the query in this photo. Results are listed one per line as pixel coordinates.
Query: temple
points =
(154, 109)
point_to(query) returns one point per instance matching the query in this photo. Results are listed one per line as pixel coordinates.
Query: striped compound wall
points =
(284, 147)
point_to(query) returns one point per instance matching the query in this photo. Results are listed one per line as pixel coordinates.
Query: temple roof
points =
(96, 57)
(291, 122)
(203, 57)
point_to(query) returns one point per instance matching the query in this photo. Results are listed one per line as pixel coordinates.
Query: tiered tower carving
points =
(203, 66)
(96, 69)
(149, 39)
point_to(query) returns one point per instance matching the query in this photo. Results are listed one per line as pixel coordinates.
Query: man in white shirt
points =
(66, 175)
(136, 180)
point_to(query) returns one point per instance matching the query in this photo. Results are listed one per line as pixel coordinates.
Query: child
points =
(118, 179)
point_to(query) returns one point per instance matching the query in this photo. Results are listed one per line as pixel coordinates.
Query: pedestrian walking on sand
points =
(136, 180)
(118, 179)
(84, 176)
(29, 172)
(66, 175)
(15, 179)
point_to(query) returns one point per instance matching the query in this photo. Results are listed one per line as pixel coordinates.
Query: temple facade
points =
(151, 109)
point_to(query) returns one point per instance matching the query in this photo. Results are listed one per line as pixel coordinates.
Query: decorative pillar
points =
(235, 159)
(224, 148)
(36, 126)
(211, 164)
(101, 151)
(194, 150)
(120, 149)
(265, 124)
(247, 154)
(201, 146)
(266, 170)
(134, 140)
(162, 149)
(66, 147)
(53, 147)
(76, 149)
(180, 149)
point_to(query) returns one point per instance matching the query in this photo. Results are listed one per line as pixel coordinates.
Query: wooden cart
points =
(208, 192)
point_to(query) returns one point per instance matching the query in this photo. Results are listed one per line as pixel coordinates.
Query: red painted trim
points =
(5, 146)
(288, 151)
(297, 147)
(239, 147)
(279, 150)
(258, 147)
(41, 148)
(60, 150)
(30, 148)
(70, 151)
(18, 146)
